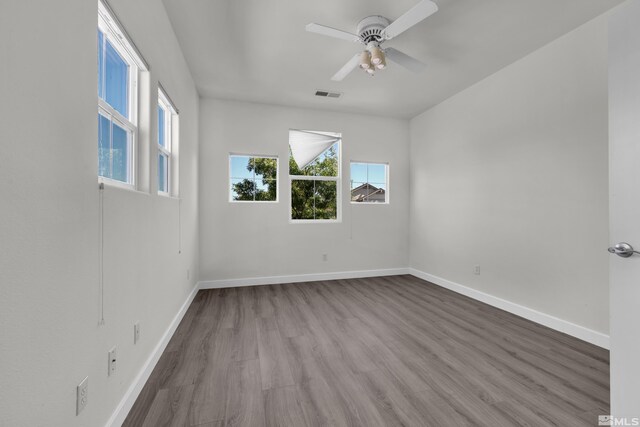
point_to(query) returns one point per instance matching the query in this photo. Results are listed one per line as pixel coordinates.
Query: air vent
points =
(327, 94)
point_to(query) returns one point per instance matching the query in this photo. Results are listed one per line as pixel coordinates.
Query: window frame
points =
(114, 117)
(113, 33)
(386, 173)
(168, 150)
(254, 156)
(337, 179)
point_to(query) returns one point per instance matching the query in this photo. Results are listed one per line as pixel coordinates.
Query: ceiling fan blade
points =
(346, 69)
(408, 62)
(417, 13)
(331, 32)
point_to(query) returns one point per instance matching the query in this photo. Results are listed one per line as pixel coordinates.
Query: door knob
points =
(623, 249)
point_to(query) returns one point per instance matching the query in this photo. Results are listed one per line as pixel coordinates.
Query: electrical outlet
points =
(136, 333)
(476, 270)
(82, 394)
(113, 358)
(325, 257)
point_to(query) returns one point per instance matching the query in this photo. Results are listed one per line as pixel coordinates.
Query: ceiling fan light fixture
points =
(372, 32)
(365, 60)
(377, 56)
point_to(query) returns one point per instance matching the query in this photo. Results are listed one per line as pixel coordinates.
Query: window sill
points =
(255, 202)
(117, 185)
(315, 221)
(168, 196)
(370, 203)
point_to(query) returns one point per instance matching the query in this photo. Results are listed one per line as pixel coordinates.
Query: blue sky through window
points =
(162, 173)
(161, 127)
(373, 173)
(113, 76)
(239, 169)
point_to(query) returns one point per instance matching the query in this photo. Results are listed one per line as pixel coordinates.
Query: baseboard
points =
(577, 331)
(125, 405)
(273, 280)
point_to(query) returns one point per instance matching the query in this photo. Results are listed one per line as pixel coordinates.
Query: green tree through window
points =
(261, 184)
(311, 198)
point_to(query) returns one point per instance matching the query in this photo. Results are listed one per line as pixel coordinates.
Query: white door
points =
(624, 163)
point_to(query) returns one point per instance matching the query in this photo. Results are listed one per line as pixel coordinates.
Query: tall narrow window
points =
(314, 171)
(118, 69)
(167, 116)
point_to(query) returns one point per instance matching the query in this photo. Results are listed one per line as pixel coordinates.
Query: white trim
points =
(105, 110)
(168, 99)
(164, 151)
(313, 178)
(108, 19)
(170, 147)
(119, 185)
(577, 331)
(272, 280)
(122, 410)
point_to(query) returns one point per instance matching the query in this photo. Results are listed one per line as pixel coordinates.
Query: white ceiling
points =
(259, 51)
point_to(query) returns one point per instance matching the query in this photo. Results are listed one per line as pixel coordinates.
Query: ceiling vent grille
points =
(327, 94)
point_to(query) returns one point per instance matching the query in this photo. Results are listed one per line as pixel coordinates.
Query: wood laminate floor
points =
(388, 351)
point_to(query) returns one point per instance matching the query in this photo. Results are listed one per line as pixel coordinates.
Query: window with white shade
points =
(118, 69)
(314, 172)
(167, 116)
(369, 182)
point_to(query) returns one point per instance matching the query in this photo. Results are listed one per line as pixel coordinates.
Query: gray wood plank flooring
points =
(384, 351)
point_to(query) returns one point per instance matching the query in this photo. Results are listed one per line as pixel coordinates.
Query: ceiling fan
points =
(372, 32)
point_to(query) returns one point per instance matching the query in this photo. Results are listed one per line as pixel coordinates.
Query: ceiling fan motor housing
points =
(370, 29)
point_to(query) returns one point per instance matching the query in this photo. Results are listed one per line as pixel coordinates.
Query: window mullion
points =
(252, 160)
(110, 147)
(119, 118)
(314, 178)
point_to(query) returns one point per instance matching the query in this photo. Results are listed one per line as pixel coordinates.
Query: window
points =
(118, 67)
(314, 171)
(167, 115)
(253, 178)
(369, 182)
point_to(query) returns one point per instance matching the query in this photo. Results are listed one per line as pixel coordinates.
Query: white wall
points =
(251, 240)
(511, 175)
(49, 293)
